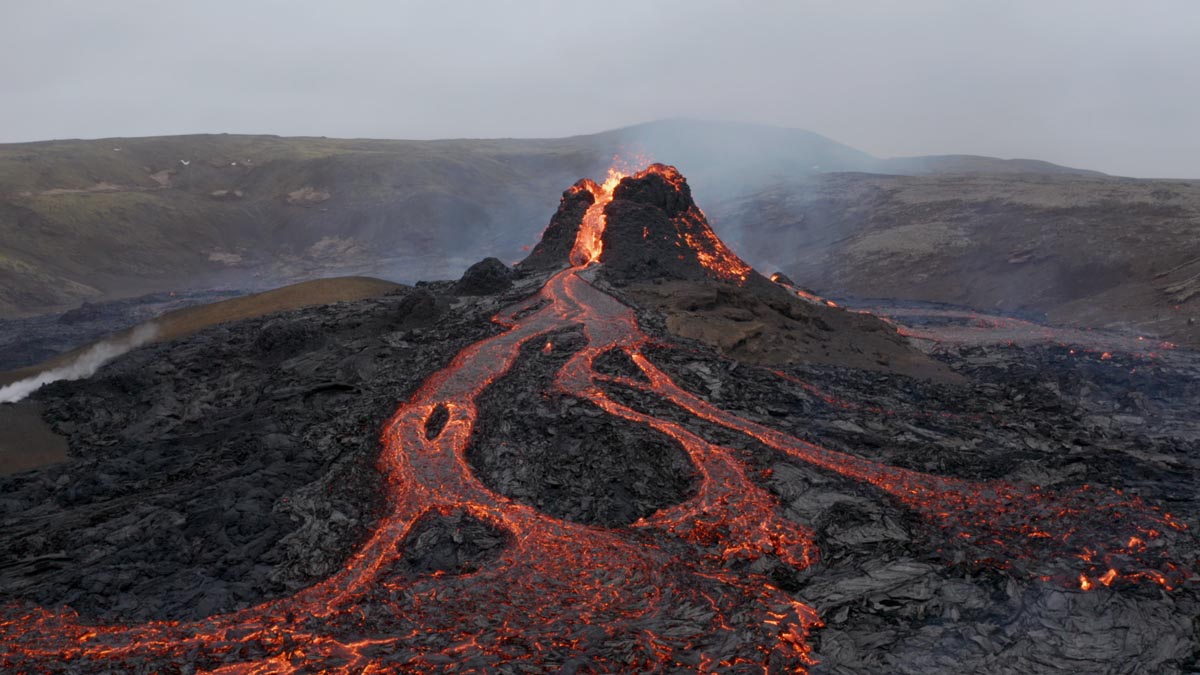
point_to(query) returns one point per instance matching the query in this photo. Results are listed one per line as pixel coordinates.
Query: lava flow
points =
(588, 243)
(672, 592)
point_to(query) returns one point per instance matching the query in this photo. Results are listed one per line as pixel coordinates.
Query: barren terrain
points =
(1087, 251)
(112, 218)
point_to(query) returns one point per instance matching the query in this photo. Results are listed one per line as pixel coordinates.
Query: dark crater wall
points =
(553, 249)
(568, 458)
(212, 473)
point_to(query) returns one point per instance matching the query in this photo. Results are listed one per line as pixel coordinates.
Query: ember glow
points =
(564, 593)
(711, 252)
(811, 298)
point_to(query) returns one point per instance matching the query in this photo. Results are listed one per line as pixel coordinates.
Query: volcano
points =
(641, 227)
(656, 249)
(585, 484)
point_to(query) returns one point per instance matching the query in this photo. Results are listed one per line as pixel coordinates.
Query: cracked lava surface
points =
(669, 592)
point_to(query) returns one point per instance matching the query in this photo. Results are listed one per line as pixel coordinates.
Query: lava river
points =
(671, 592)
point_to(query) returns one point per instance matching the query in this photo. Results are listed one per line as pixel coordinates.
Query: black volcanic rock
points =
(215, 471)
(659, 250)
(86, 312)
(235, 465)
(655, 230)
(453, 543)
(660, 186)
(554, 248)
(486, 277)
(420, 307)
(569, 459)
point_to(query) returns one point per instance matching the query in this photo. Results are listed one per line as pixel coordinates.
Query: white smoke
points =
(83, 366)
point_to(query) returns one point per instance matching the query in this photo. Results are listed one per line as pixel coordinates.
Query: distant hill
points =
(940, 164)
(101, 219)
(1081, 249)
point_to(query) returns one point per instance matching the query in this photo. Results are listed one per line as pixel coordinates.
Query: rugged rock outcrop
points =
(656, 231)
(554, 246)
(486, 277)
(222, 469)
(568, 458)
(659, 251)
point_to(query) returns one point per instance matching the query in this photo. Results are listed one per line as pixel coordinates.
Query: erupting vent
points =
(643, 225)
(589, 243)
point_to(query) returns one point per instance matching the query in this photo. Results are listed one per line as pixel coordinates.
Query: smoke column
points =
(85, 365)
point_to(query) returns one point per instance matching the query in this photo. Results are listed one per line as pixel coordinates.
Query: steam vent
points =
(635, 454)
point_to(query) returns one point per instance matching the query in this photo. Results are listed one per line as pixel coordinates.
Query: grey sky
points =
(1100, 84)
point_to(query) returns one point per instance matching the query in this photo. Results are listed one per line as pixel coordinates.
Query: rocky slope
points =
(40, 343)
(659, 251)
(1087, 251)
(94, 220)
(26, 442)
(211, 485)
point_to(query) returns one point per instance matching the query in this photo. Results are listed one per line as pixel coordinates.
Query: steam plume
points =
(83, 366)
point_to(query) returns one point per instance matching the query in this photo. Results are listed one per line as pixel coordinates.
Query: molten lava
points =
(804, 295)
(589, 243)
(662, 594)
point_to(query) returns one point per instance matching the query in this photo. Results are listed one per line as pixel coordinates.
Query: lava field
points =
(527, 472)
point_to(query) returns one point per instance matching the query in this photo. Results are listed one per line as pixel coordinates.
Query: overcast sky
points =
(1100, 84)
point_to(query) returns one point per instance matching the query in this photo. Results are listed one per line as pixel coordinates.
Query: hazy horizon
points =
(1095, 85)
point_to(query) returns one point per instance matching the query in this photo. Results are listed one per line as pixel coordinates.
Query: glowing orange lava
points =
(663, 594)
(589, 243)
(804, 295)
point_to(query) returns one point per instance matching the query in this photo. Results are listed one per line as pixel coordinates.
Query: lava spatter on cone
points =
(655, 230)
(641, 226)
